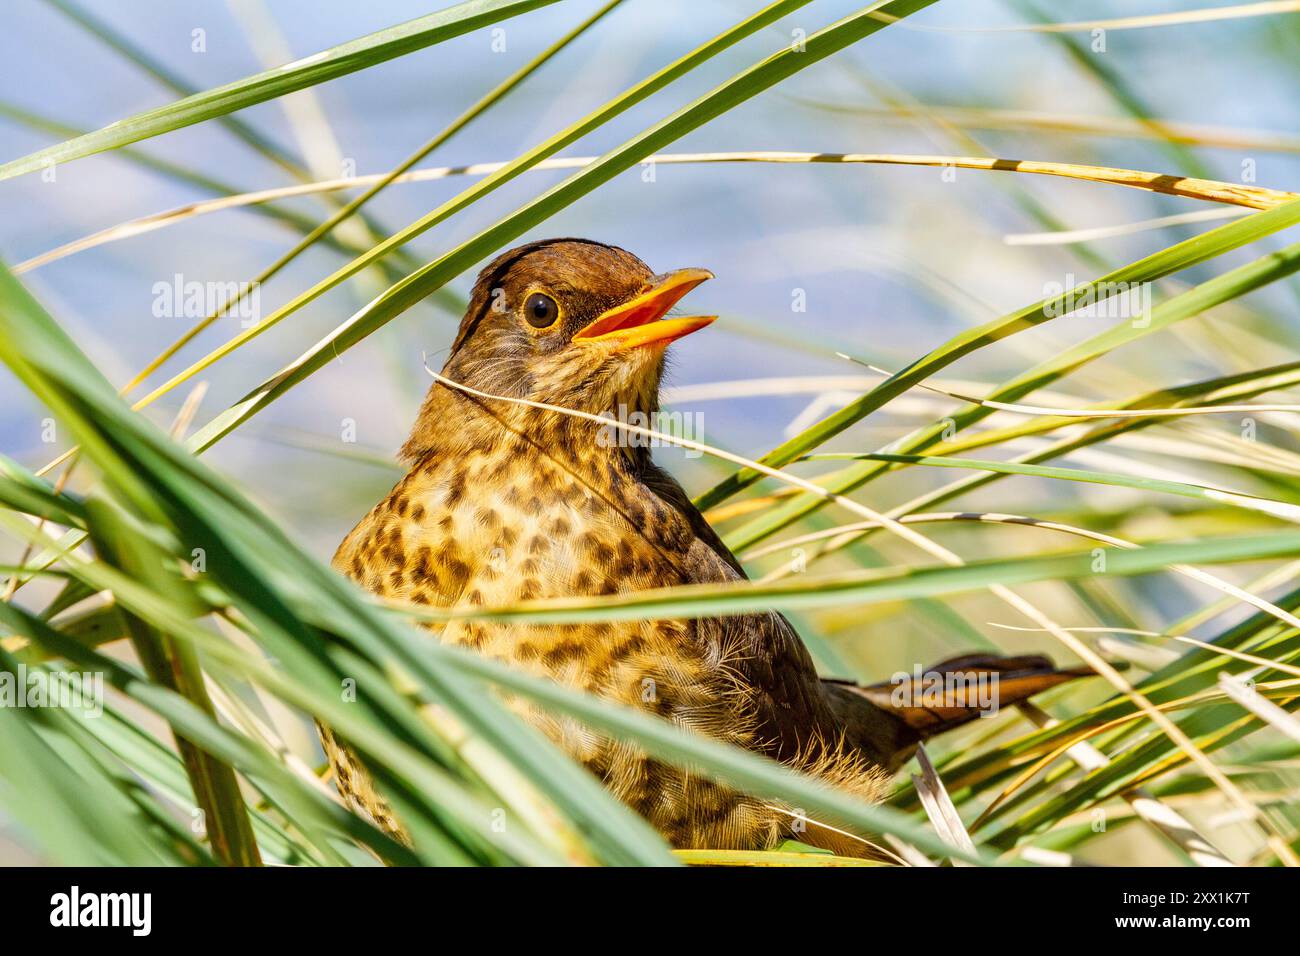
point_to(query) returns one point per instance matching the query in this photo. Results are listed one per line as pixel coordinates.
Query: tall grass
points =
(220, 635)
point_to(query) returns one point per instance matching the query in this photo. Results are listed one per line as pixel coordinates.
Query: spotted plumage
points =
(506, 502)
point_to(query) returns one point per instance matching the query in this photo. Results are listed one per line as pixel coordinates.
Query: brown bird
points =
(506, 502)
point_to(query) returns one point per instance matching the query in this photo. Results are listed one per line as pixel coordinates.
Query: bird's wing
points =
(666, 488)
(789, 704)
(883, 721)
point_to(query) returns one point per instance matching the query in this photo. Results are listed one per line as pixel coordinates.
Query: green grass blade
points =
(802, 592)
(1215, 291)
(134, 53)
(436, 274)
(587, 124)
(264, 572)
(1183, 489)
(175, 666)
(327, 65)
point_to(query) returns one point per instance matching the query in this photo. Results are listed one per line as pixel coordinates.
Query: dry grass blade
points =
(1178, 18)
(1150, 659)
(1273, 836)
(939, 806)
(1263, 708)
(1162, 817)
(1203, 645)
(1065, 237)
(766, 858)
(972, 117)
(342, 216)
(1196, 574)
(1235, 194)
(1051, 411)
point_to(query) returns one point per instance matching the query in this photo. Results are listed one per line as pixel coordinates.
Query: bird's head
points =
(568, 322)
(574, 323)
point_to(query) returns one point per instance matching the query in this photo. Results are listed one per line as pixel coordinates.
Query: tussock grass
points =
(227, 663)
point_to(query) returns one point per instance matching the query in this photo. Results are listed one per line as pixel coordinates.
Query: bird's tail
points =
(883, 723)
(956, 691)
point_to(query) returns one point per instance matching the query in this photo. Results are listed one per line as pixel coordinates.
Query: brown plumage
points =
(505, 502)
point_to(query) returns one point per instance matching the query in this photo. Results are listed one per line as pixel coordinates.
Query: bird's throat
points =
(454, 424)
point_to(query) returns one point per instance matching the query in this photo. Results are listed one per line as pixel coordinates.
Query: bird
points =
(507, 499)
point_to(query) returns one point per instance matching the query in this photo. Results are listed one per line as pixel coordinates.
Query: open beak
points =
(640, 320)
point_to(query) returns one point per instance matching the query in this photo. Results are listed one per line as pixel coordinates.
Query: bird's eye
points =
(541, 311)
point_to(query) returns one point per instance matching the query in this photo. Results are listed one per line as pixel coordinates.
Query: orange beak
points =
(640, 320)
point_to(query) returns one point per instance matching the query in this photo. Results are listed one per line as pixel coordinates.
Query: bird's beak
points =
(640, 320)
